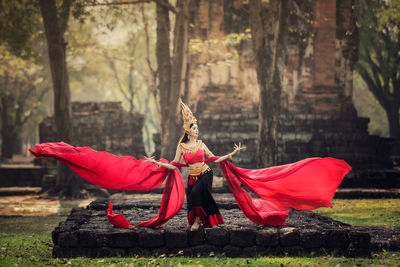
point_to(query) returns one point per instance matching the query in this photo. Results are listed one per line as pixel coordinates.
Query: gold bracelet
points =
(230, 156)
(159, 164)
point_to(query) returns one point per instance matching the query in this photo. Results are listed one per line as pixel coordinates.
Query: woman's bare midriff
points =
(196, 165)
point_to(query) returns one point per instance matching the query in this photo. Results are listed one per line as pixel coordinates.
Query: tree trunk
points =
(392, 113)
(67, 183)
(269, 36)
(172, 78)
(164, 63)
(8, 131)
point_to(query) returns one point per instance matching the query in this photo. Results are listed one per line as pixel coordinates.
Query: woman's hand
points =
(229, 156)
(237, 148)
(159, 163)
(151, 160)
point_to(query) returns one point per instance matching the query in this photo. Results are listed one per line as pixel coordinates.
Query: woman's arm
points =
(166, 165)
(160, 164)
(230, 155)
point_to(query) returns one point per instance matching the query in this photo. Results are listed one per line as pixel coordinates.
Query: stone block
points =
(68, 239)
(150, 238)
(358, 252)
(121, 238)
(91, 238)
(289, 236)
(175, 238)
(394, 243)
(360, 239)
(312, 239)
(217, 236)
(242, 237)
(337, 238)
(267, 237)
(196, 237)
(232, 251)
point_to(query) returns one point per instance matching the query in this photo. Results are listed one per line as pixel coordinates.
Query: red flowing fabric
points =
(306, 184)
(121, 173)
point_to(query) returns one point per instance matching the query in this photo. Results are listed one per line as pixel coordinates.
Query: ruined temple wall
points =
(103, 126)
(322, 52)
(219, 76)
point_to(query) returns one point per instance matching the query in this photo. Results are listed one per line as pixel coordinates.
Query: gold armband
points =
(230, 156)
(159, 164)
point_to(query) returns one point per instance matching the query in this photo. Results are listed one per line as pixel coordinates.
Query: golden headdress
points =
(187, 117)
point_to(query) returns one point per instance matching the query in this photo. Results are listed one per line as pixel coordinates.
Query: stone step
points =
(86, 232)
(12, 175)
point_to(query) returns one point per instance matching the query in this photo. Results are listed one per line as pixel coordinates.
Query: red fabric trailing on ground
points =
(306, 184)
(118, 220)
(121, 173)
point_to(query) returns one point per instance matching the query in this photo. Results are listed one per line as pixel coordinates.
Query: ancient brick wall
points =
(104, 126)
(318, 116)
(322, 52)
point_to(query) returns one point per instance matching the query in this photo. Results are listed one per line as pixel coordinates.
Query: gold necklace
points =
(193, 148)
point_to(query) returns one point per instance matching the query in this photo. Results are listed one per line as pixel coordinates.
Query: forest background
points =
(111, 56)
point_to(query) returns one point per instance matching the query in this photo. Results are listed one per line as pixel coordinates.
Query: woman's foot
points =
(196, 224)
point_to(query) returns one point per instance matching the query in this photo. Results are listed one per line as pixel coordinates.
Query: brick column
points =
(324, 43)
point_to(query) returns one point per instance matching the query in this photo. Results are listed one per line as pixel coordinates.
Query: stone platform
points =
(87, 232)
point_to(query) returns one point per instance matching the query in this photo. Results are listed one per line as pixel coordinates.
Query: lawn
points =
(364, 211)
(26, 241)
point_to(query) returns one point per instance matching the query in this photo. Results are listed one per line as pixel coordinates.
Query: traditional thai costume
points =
(307, 184)
(200, 202)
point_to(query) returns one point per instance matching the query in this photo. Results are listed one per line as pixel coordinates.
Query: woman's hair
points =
(185, 136)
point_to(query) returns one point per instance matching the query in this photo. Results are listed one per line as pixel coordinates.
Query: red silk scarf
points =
(306, 184)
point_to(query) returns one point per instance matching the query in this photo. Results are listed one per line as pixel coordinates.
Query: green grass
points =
(364, 211)
(26, 241)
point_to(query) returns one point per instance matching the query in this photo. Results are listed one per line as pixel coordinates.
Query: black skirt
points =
(200, 202)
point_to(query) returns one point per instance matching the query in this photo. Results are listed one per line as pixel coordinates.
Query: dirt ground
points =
(34, 205)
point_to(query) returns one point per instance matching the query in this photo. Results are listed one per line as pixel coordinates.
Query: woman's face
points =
(194, 130)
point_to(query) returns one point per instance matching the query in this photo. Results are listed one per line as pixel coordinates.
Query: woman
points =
(201, 206)
(307, 184)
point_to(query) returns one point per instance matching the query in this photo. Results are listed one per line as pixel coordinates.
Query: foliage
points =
(379, 62)
(364, 211)
(20, 21)
(368, 107)
(108, 60)
(23, 87)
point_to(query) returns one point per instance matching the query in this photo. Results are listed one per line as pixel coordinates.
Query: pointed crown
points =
(187, 117)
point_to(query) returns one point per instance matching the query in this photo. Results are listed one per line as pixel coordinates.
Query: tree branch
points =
(35, 106)
(115, 72)
(119, 3)
(165, 5)
(374, 88)
(64, 15)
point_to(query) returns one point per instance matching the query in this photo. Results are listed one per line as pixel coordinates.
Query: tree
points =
(55, 21)
(22, 89)
(379, 60)
(269, 28)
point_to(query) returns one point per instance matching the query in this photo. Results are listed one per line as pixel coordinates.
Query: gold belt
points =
(199, 171)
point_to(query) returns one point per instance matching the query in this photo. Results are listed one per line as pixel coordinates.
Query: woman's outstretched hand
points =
(159, 163)
(237, 148)
(151, 160)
